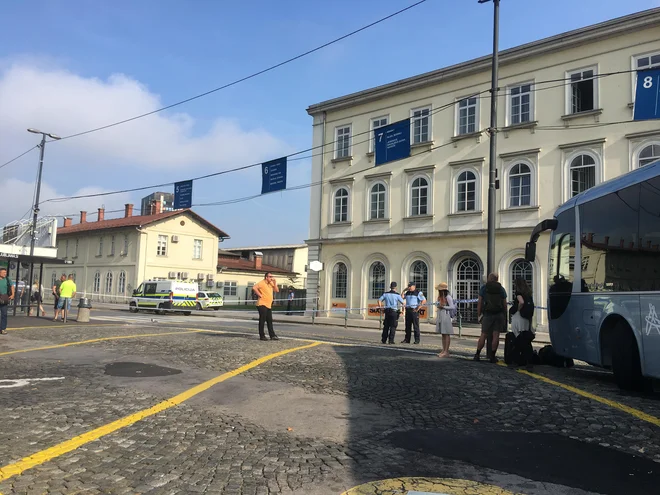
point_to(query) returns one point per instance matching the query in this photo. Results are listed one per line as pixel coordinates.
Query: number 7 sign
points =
(647, 95)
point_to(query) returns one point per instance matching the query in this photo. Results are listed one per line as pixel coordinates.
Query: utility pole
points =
(35, 209)
(492, 131)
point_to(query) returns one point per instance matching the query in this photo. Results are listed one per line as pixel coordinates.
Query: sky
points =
(67, 66)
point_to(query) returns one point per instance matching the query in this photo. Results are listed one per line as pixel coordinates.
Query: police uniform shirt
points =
(414, 298)
(391, 299)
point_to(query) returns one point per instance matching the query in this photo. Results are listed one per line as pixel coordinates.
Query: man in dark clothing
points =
(414, 301)
(491, 307)
(56, 290)
(391, 301)
(6, 295)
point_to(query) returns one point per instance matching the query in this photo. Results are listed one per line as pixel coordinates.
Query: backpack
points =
(548, 356)
(453, 312)
(494, 302)
(509, 347)
(527, 309)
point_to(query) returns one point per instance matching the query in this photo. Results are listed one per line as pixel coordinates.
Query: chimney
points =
(128, 210)
(258, 256)
(83, 216)
(156, 207)
(67, 221)
(101, 215)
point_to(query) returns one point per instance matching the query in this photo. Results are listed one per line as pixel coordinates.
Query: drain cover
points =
(138, 370)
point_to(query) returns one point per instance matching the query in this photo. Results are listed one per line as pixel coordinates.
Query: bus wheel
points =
(133, 308)
(625, 359)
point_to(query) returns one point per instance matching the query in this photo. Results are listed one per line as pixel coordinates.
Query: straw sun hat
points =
(442, 286)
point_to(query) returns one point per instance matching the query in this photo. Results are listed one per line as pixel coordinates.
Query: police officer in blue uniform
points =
(392, 299)
(414, 301)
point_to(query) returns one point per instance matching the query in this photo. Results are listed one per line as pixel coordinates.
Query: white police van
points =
(164, 296)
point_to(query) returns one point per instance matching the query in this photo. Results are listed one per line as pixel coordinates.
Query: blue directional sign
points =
(273, 175)
(647, 96)
(183, 194)
(392, 142)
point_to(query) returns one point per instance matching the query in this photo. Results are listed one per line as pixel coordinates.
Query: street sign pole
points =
(492, 166)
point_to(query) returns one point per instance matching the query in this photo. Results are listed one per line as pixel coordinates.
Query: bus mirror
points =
(530, 252)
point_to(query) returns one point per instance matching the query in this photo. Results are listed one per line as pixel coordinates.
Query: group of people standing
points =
(412, 301)
(492, 309)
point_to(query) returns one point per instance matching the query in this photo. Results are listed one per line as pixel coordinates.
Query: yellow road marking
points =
(46, 455)
(616, 405)
(102, 339)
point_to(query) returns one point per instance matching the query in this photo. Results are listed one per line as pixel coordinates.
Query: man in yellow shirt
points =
(264, 291)
(67, 292)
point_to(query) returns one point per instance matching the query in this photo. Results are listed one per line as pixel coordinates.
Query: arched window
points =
(520, 185)
(419, 195)
(521, 268)
(468, 283)
(583, 174)
(467, 191)
(649, 154)
(341, 205)
(97, 282)
(108, 283)
(121, 288)
(339, 281)
(419, 275)
(377, 202)
(376, 280)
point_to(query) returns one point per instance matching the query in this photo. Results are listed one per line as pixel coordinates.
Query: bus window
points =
(649, 234)
(609, 240)
(562, 263)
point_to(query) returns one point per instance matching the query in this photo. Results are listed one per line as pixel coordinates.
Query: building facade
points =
(564, 125)
(112, 257)
(240, 269)
(148, 203)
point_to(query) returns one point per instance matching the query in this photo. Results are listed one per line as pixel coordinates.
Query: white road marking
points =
(22, 382)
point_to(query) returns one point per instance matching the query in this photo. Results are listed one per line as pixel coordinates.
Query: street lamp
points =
(35, 209)
(492, 131)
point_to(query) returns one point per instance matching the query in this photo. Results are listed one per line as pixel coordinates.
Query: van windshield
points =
(214, 294)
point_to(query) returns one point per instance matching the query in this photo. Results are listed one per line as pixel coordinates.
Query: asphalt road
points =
(178, 405)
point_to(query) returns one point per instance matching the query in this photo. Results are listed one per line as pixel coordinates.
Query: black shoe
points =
(383, 341)
(476, 357)
(263, 338)
(417, 342)
(405, 341)
(391, 342)
(494, 359)
(274, 337)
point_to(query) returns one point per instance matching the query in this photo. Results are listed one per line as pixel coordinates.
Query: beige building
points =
(240, 269)
(564, 125)
(112, 257)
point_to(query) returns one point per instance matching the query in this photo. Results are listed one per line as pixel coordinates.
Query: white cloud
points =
(17, 196)
(64, 103)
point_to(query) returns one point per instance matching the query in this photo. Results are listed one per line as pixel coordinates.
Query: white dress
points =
(443, 324)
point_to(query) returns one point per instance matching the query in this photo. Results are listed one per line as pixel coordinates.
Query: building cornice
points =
(589, 34)
(580, 144)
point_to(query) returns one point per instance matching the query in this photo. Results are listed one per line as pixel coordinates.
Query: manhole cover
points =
(138, 370)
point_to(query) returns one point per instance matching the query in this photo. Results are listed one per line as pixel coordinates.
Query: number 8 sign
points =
(647, 95)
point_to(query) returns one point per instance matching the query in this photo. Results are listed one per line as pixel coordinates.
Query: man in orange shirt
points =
(264, 290)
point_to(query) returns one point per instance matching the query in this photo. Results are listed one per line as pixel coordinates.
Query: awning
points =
(37, 260)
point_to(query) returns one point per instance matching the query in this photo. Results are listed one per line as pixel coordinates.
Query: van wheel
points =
(198, 307)
(187, 313)
(625, 359)
(161, 310)
(216, 308)
(133, 308)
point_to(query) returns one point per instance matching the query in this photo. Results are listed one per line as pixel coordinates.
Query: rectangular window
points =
(468, 111)
(648, 61)
(375, 124)
(583, 90)
(112, 246)
(467, 200)
(421, 125)
(197, 249)
(521, 104)
(230, 289)
(162, 245)
(343, 142)
(100, 246)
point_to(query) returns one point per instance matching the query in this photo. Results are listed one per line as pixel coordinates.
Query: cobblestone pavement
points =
(319, 420)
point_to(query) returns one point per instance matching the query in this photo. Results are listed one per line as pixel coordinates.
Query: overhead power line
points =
(251, 76)
(17, 157)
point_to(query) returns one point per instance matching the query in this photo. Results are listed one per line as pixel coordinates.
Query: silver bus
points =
(604, 276)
